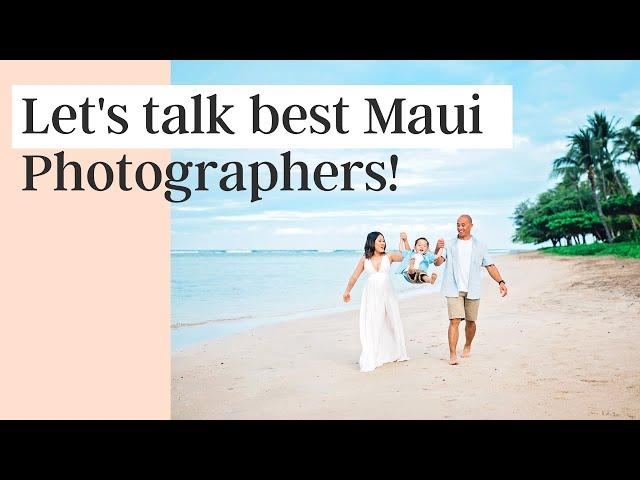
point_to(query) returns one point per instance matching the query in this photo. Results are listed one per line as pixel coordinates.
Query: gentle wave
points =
(208, 322)
(215, 292)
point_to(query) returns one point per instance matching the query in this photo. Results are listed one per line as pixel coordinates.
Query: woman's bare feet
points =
(453, 360)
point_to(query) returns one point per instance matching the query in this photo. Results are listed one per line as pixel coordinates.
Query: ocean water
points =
(220, 292)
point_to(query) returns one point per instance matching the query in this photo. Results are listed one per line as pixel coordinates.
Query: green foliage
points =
(593, 196)
(626, 249)
(621, 205)
(560, 212)
(628, 236)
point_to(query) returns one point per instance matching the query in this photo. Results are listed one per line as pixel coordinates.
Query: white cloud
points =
(549, 69)
(194, 209)
(520, 140)
(446, 227)
(625, 107)
(220, 205)
(406, 211)
(294, 231)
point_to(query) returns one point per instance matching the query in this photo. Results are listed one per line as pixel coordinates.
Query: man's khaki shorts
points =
(462, 307)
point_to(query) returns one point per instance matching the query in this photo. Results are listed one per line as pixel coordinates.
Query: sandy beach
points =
(564, 344)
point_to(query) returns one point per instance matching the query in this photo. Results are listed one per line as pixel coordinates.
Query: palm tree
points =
(628, 143)
(569, 169)
(604, 132)
(582, 155)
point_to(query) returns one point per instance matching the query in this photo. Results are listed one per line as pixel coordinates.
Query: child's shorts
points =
(416, 277)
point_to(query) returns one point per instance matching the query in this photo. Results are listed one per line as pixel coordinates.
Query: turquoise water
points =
(219, 292)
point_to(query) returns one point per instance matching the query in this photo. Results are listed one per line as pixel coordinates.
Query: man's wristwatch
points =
(501, 281)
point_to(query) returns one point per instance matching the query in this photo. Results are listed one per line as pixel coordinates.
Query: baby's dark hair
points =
(418, 239)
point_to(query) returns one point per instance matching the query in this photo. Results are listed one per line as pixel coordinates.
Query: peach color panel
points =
(85, 276)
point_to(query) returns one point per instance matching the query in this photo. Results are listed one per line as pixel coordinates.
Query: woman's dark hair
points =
(418, 239)
(370, 244)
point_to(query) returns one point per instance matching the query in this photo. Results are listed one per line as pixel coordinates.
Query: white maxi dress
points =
(381, 332)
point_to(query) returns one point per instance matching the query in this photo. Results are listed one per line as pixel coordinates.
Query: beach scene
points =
(204, 308)
(259, 325)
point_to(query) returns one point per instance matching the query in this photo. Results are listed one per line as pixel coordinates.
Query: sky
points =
(551, 100)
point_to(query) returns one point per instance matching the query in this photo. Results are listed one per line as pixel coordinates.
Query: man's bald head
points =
(463, 226)
(466, 217)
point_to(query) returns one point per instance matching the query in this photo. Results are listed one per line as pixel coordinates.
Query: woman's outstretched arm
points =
(346, 296)
(395, 256)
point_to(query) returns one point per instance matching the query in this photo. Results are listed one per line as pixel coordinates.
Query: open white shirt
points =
(463, 265)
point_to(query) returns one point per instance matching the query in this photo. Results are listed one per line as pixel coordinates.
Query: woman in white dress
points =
(381, 332)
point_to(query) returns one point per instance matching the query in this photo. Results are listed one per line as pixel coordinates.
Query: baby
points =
(416, 262)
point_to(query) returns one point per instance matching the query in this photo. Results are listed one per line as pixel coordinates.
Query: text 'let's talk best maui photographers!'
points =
(255, 117)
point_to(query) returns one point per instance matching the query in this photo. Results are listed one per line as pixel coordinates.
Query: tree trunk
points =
(584, 239)
(579, 199)
(613, 169)
(604, 185)
(620, 186)
(594, 192)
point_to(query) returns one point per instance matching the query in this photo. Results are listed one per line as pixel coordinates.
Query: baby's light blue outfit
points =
(427, 259)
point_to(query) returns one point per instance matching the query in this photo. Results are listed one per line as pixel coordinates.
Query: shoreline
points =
(558, 346)
(239, 325)
(187, 336)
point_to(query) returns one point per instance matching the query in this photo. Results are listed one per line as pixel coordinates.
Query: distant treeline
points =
(593, 196)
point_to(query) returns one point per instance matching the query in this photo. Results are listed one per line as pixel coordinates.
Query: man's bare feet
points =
(434, 276)
(466, 351)
(453, 360)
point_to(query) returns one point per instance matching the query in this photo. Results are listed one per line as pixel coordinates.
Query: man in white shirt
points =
(461, 283)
